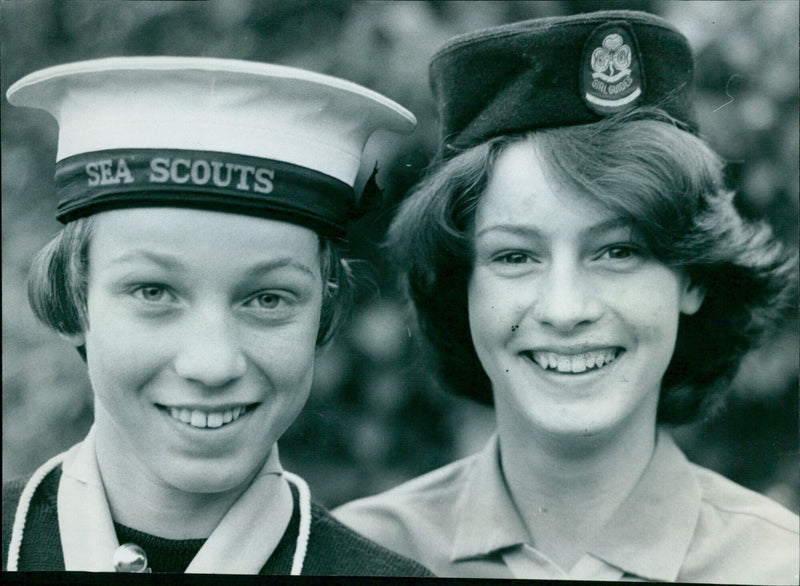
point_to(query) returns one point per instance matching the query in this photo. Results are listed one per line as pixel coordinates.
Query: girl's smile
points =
(575, 362)
(572, 318)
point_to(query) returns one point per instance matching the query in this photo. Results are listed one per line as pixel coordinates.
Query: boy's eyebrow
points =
(171, 263)
(279, 263)
(163, 260)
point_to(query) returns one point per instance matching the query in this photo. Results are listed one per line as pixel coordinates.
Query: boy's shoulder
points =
(335, 549)
(12, 490)
(42, 520)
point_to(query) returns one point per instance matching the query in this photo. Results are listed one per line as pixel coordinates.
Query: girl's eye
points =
(621, 252)
(514, 258)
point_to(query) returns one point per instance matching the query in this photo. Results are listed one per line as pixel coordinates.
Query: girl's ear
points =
(692, 297)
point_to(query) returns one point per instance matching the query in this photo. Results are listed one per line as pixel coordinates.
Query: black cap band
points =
(111, 179)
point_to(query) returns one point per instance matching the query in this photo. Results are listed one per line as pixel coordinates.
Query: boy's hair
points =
(57, 282)
(643, 167)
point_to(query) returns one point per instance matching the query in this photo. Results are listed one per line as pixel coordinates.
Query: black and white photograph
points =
(415, 289)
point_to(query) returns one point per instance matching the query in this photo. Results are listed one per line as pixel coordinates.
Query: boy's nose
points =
(565, 300)
(211, 353)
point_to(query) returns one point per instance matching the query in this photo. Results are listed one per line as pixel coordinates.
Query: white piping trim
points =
(305, 522)
(21, 515)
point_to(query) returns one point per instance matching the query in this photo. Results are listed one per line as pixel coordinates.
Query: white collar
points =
(89, 540)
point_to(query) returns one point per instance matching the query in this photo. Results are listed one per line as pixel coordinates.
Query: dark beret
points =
(559, 71)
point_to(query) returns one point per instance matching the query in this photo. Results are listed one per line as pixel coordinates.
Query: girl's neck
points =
(565, 491)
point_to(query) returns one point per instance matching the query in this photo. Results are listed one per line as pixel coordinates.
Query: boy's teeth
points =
(574, 363)
(203, 419)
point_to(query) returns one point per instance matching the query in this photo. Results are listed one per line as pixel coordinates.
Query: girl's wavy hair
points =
(57, 282)
(645, 168)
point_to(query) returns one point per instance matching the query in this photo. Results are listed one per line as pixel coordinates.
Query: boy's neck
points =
(140, 501)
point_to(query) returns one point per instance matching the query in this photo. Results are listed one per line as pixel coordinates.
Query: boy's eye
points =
(151, 293)
(266, 301)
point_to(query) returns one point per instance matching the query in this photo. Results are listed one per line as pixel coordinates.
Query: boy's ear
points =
(692, 297)
(76, 340)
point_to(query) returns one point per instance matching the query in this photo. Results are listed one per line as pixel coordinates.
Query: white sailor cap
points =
(221, 134)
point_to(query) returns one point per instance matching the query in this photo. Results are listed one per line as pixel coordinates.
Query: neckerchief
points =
(241, 544)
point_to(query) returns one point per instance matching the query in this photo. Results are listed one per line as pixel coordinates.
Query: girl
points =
(574, 259)
(198, 272)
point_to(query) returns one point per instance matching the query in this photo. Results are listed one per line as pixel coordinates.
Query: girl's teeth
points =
(574, 363)
(202, 419)
(578, 363)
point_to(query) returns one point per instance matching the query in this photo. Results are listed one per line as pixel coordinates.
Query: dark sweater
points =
(333, 549)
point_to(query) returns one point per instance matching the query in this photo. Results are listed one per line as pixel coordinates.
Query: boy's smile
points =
(201, 340)
(202, 418)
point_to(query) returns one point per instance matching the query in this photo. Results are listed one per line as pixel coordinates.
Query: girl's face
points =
(572, 319)
(201, 340)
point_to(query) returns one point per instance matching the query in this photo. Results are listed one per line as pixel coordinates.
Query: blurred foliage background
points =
(373, 420)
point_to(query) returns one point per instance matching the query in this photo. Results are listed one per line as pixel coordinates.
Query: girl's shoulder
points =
(729, 499)
(335, 549)
(741, 536)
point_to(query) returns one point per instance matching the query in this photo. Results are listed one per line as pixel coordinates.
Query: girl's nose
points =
(565, 299)
(211, 354)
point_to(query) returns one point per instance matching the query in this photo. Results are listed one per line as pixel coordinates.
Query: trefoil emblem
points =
(612, 78)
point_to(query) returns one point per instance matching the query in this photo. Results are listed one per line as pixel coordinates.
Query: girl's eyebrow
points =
(534, 232)
(608, 226)
(516, 229)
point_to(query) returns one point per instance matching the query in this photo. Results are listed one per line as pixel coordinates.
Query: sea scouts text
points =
(179, 170)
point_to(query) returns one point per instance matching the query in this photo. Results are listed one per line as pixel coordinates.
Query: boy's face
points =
(201, 340)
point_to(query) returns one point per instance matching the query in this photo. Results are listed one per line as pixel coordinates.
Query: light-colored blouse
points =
(680, 523)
